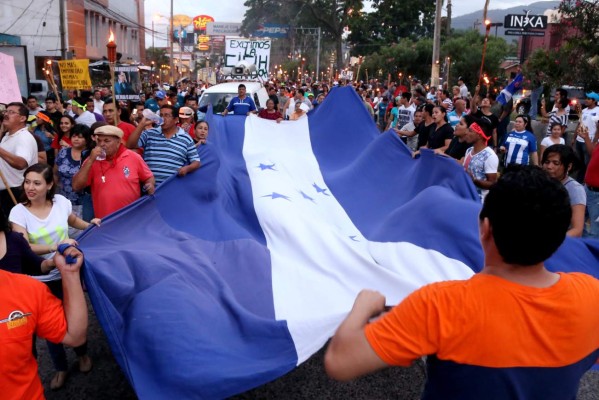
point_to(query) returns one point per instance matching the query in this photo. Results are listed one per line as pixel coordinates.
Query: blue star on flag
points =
(275, 195)
(305, 196)
(266, 166)
(320, 190)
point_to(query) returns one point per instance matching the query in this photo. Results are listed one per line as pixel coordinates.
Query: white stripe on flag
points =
(320, 261)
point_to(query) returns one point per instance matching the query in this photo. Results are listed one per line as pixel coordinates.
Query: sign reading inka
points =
(525, 21)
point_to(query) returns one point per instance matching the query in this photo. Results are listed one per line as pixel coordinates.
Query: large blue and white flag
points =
(514, 87)
(233, 275)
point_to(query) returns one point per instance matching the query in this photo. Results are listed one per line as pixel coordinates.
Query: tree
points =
(391, 21)
(465, 50)
(158, 55)
(331, 16)
(579, 21)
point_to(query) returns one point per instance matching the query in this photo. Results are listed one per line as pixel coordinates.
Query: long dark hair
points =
(46, 172)
(59, 131)
(5, 225)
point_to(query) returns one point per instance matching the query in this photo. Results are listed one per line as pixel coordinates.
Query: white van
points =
(220, 95)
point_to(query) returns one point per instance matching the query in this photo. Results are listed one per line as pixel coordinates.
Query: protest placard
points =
(254, 51)
(8, 80)
(74, 74)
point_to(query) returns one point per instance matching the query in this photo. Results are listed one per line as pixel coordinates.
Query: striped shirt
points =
(165, 156)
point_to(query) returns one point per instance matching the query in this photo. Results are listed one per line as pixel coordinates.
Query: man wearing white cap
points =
(115, 173)
(186, 120)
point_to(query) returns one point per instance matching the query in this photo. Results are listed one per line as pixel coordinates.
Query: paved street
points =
(309, 381)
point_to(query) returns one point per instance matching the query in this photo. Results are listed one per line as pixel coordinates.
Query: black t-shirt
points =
(491, 119)
(19, 257)
(438, 137)
(424, 131)
(457, 149)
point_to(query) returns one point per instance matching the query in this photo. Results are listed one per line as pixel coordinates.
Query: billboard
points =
(223, 28)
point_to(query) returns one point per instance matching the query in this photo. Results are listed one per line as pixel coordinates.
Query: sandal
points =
(58, 380)
(85, 364)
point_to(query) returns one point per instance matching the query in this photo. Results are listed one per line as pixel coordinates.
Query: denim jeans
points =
(583, 155)
(56, 350)
(534, 101)
(593, 211)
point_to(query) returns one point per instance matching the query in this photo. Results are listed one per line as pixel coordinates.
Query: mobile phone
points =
(134, 111)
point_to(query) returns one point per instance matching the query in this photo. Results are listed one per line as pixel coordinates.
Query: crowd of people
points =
(473, 129)
(75, 161)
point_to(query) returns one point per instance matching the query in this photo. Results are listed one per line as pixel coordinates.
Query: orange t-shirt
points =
(487, 327)
(26, 307)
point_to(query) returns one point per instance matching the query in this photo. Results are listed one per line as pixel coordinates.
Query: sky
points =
(233, 11)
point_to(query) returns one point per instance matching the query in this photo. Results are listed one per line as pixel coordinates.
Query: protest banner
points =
(127, 85)
(253, 51)
(8, 80)
(74, 74)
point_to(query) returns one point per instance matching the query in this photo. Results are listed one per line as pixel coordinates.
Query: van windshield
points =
(219, 101)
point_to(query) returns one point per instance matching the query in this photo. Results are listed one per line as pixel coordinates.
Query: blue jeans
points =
(56, 350)
(584, 156)
(593, 211)
(534, 101)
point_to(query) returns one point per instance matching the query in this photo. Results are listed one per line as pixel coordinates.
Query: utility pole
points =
(436, 45)
(62, 29)
(448, 25)
(172, 63)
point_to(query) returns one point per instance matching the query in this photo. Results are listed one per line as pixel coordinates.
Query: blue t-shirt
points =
(242, 107)
(519, 146)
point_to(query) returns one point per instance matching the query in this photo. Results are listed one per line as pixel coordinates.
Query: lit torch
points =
(111, 53)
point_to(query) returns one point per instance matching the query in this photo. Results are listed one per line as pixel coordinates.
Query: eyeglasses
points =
(11, 112)
(167, 116)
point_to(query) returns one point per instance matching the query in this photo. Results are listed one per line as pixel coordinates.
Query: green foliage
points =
(390, 22)
(414, 58)
(465, 51)
(576, 60)
(158, 55)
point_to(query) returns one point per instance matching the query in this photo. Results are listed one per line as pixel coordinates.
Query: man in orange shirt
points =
(514, 330)
(26, 308)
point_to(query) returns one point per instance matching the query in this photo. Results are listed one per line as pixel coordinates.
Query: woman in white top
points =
(44, 219)
(555, 130)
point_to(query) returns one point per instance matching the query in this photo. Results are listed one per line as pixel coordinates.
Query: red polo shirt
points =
(117, 183)
(592, 176)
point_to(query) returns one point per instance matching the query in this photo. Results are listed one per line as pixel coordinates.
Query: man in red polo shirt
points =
(116, 180)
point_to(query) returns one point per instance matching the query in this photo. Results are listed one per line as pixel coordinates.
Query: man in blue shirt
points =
(242, 104)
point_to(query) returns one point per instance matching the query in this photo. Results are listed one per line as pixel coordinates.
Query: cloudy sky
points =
(233, 11)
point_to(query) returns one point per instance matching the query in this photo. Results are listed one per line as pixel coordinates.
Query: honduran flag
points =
(514, 87)
(233, 275)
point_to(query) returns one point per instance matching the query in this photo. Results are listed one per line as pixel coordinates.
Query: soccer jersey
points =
(241, 106)
(519, 146)
(490, 338)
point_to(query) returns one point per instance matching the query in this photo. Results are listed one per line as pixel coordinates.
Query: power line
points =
(19, 17)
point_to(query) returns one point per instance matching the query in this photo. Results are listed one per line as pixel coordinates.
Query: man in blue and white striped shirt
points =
(168, 150)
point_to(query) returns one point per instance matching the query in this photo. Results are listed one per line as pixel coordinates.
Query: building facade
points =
(86, 25)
